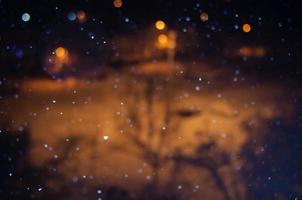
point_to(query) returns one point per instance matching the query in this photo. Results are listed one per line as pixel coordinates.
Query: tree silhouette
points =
(149, 124)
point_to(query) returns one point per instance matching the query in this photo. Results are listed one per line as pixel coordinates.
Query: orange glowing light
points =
(204, 17)
(81, 15)
(162, 40)
(160, 25)
(117, 3)
(252, 51)
(245, 51)
(246, 28)
(61, 53)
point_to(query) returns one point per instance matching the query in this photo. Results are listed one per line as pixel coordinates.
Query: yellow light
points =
(117, 3)
(61, 53)
(160, 25)
(162, 40)
(246, 28)
(204, 17)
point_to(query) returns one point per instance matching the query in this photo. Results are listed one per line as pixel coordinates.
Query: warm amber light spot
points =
(61, 53)
(162, 40)
(204, 17)
(246, 51)
(246, 28)
(117, 3)
(160, 25)
(81, 15)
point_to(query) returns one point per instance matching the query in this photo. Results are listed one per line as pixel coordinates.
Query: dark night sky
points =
(275, 24)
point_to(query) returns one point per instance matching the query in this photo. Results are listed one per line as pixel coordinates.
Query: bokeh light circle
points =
(61, 52)
(204, 17)
(246, 28)
(160, 25)
(117, 3)
(25, 17)
(71, 16)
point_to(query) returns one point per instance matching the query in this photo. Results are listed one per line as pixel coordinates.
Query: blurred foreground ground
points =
(225, 137)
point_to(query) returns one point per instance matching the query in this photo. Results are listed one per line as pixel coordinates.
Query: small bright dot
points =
(105, 137)
(25, 17)
(160, 25)
(71, 16)
(246, 28)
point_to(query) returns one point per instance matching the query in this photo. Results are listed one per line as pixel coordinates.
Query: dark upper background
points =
(275, 24)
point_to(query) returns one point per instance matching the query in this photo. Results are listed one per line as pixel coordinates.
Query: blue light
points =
(19, 53)
(71, 16)
(25, 17)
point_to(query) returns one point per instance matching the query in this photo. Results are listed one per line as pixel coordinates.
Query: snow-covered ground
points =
(93, 118)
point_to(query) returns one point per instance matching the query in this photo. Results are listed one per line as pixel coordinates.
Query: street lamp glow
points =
(117, 3)
(246, 28)
(162, 40)
(61, 53)
(160, 25)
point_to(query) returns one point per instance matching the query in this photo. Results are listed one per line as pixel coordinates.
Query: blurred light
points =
(25, 17)
(160, 25)
(246, 28)
(260, 52)
(252, 51)
(117, 3)
(245, 51)
(204, 17)
(19, 53)
(172, 40)
(162, 40)
(61, 53)
(71, 16)
(81, 15)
